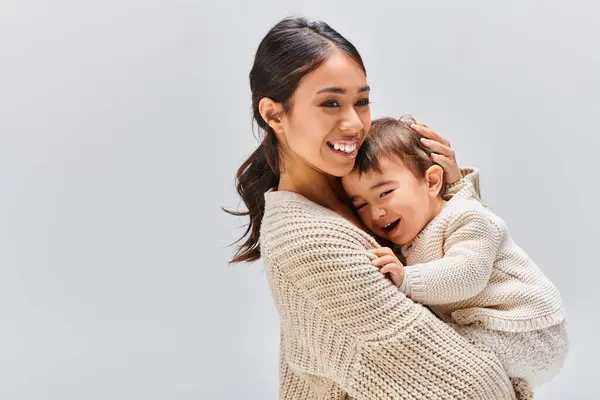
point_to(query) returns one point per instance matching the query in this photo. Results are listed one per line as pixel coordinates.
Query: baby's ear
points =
(435, 179)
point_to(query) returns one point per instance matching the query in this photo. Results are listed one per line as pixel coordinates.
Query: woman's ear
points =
(435, 179)
(271, 112)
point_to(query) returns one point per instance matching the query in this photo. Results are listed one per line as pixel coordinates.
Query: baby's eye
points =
(358, 207)
(386, 193)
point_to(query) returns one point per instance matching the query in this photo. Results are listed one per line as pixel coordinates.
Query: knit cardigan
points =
(346, 331)
(466, 266)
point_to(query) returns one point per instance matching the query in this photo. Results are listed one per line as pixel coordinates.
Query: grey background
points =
(122, 124)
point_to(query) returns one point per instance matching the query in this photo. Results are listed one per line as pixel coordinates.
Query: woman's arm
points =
(354, 327)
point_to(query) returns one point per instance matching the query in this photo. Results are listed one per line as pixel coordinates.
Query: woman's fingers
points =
(452, 171)
(439, 148)
(420, 123)
(444, 161)
(430, 134)
(442, 152)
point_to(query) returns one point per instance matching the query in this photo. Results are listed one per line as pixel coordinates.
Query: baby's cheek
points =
(365, 220)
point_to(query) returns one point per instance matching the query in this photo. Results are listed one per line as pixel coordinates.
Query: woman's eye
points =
(385, 193)
(331, 103)
(363, 102)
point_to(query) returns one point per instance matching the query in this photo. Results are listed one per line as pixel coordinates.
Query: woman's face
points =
(329, 118)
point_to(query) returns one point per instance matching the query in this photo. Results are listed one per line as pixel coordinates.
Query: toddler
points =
(459, 258)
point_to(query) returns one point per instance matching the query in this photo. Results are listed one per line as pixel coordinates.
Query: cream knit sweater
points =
(346, 331)
(466, 266)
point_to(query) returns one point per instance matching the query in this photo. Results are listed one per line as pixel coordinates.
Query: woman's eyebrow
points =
(332, 89)
(338, 90)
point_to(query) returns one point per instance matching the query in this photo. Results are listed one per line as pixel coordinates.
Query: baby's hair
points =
(390, 138)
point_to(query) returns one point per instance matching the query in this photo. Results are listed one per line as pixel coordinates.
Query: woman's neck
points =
(318, 187)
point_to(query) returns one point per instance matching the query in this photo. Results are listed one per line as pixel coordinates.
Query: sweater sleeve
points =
(470, 249)
(349, 324)
(469, 176)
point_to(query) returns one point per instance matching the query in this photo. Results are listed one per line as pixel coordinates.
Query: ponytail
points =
(258, 174)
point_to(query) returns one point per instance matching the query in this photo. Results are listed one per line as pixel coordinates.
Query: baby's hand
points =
(386, 260)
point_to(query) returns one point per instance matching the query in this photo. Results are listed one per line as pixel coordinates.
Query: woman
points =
(346, 331)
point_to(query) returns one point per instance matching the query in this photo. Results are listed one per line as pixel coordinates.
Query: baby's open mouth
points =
(391, 226)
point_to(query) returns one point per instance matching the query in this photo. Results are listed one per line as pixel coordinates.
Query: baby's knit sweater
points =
(346, 331)
(467, 268)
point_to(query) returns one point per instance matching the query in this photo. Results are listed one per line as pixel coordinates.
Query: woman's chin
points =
(338, 171)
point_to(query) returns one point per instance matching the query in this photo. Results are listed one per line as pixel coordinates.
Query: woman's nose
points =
(351, 122)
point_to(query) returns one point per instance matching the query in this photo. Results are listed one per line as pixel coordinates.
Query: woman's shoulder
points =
(291, 220)
(293, 211)
(281, 201)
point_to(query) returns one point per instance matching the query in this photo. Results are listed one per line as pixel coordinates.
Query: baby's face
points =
(394, 204)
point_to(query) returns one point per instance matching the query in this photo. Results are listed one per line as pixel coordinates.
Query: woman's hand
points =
(442, 152)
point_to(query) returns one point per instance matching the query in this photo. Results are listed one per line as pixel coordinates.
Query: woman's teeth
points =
(346, 148)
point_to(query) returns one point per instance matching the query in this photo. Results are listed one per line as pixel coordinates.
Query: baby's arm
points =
(470, 250)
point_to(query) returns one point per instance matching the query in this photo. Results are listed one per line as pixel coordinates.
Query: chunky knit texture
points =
(466, 266)
(346, 331)
(469, 176)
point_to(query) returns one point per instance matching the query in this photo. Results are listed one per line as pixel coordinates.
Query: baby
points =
(459, 258)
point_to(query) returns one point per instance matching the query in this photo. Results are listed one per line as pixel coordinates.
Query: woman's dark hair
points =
(293, 48)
